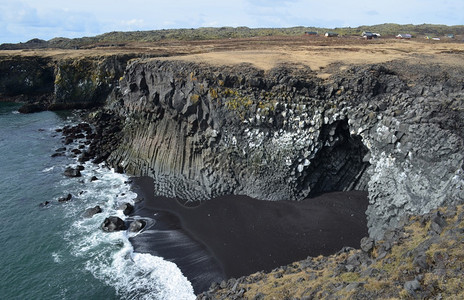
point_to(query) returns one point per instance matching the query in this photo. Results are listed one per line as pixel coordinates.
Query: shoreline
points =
(237, 235)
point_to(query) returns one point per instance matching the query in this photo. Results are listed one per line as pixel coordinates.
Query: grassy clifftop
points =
(423, 259)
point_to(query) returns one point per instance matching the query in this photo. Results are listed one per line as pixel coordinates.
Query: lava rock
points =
(71, 172)
(112, 224)
(65, 199)
(126, 208)
(90, 212)
(43, 204)
(367, 244)
(136, 226)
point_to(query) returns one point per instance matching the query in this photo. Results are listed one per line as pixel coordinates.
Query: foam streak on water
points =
(51, 251)
(110, 256)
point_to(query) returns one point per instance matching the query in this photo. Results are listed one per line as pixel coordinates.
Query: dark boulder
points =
(65, 199)
(71, 172)
(43, 204)
(94, 178)
(68, 140)
(126, 208)
(112, 224)
(136, 226)
(119, 169)
(32, 108)
(76, 151)
(90, 212)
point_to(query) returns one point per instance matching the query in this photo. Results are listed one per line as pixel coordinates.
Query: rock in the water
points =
(71, 172)
(94, 178)
(136, 226)
(43, 204)
(65, 199)
(127, 208)
(90, 212)
(32, 108)
(112, 224)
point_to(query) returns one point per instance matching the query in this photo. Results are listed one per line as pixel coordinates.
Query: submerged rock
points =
(90, 212)
(65, 199)
(43, 204)
(72, 172)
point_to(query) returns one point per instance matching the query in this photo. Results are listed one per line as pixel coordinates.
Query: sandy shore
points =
(232, 236)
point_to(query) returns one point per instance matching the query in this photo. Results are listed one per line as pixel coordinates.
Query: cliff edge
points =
(202, 131)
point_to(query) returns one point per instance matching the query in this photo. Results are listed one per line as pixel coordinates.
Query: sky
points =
(22, 20)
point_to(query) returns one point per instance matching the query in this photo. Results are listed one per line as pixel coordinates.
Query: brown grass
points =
(319, 53)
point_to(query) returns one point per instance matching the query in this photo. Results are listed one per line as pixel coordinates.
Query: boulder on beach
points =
(90, 212)
(136, 226)
(112, 224)
(126, 208)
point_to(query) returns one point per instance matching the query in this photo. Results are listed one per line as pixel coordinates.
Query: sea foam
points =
(110, 256)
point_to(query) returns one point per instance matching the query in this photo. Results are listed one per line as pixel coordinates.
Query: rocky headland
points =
(393, 130)
(202, 130)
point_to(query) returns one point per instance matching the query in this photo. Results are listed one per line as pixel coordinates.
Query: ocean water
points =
(52, 251)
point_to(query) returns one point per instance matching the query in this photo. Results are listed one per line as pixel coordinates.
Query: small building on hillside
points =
(331, 34)
(311, 33)
(404, 36)
(450, 36)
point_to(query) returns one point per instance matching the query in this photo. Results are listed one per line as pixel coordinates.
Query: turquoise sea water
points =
(52, 252)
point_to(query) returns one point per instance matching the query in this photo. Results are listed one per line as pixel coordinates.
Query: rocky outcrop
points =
(45, 83)
(112, 224)
(26, 79)
(203, 131)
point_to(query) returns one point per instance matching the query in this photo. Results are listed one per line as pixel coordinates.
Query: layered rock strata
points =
(200, 131)
(47, 83)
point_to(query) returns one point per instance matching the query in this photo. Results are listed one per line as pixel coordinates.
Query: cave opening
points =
(340, 165)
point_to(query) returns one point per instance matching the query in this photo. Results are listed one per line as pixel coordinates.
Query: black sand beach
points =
(232, 236)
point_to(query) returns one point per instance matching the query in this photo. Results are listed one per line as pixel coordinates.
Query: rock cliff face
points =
(203, 131)
(47, 83)
(395, 130)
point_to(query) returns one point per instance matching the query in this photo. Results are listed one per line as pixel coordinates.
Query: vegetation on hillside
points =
(118, 38)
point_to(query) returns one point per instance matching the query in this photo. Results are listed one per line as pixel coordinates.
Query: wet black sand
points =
(232, 236)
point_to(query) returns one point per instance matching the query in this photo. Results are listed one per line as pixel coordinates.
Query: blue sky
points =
(22, 20)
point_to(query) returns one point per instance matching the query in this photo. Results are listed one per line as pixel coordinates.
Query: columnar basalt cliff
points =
(200, 131)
